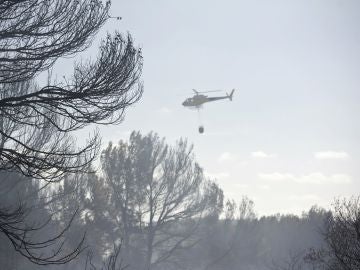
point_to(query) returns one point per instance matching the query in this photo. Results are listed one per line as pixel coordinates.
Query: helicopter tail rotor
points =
(231, 94)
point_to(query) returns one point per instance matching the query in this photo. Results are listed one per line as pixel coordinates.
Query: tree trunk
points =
(149, 250)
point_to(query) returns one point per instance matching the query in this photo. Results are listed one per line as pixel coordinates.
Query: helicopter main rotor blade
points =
(215, 90)
(209, 91)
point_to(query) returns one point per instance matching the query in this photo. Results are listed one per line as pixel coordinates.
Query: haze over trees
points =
(220, 234)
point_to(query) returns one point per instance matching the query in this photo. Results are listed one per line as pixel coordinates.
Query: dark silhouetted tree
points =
(36, 122)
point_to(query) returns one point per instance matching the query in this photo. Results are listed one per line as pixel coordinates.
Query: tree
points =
(113, 262)
(35, 33)
(342, 237)
(27, 222)
(294, 261)
(37, 122)
(231, 235)
(122, 166)
(12, 188)
(160, 192)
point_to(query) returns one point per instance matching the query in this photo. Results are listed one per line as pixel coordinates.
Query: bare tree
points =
(13, 225)
(342, 236)
(113, 262)
(36, 122)
(122, 169)
(27, 222)
(171, 193)
(34, 33)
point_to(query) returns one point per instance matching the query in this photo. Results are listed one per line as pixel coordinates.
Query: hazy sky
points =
(290, 138)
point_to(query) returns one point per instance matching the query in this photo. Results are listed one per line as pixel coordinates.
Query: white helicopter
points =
(199, 99)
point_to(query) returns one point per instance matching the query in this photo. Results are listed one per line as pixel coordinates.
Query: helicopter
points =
(198, 99)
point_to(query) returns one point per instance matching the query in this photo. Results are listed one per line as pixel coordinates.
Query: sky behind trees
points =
(289, 139)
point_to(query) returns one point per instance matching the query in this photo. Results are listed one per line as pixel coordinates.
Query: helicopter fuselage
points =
(195, 101)
(199, 100)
